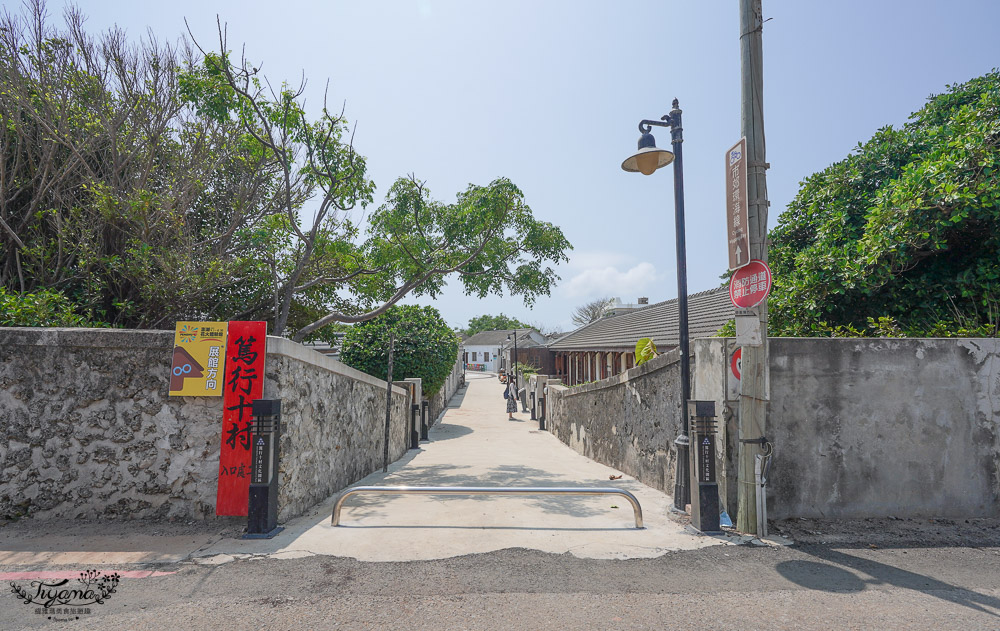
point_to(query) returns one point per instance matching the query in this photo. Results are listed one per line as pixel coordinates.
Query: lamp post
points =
(513, 363)
(646, 160)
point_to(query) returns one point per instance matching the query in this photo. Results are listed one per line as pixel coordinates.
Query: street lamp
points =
(513, 363)
(646, 160)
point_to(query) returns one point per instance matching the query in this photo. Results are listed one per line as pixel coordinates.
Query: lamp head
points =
(648, 158)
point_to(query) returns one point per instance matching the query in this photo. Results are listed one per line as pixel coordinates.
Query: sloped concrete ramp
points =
(475, 445)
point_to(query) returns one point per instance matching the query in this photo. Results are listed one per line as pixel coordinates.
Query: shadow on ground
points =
(839, 570)
(503, 475)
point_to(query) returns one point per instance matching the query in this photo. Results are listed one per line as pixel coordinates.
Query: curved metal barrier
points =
(484, 490)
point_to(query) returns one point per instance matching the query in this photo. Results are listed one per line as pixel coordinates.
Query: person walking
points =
(511, 395)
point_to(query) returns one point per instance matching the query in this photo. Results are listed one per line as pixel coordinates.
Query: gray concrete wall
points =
(628, 421)
(879, 427)
(89, 430)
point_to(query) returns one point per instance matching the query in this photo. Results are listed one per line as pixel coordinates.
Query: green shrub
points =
(40, 308)
(425, 347)
(527, 369)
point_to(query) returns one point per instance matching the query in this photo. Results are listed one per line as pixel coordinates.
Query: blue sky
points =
(549, 94)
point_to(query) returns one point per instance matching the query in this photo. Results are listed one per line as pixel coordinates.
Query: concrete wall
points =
(628, 421)
(878, 427)
(89, 430)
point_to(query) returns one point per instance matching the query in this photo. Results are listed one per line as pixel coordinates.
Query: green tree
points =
(488, 322)
(488, 238)
(902, 236)
(425, 346)
(145, 183)
(113, 193)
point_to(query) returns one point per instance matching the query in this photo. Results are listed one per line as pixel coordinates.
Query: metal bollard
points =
(533, 406)
(541, 414)
(414, 427)
(424, 408)
(262, 509)
(705, 506)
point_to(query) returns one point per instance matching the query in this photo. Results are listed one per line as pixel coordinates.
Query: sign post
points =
(750, 285)
(705, 509)
(246, 349)
(737, 218)
(262, 514)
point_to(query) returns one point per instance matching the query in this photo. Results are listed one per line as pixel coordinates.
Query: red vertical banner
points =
(246, 348)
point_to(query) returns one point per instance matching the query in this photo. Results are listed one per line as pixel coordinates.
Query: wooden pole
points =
(754, 391)
(388, 406)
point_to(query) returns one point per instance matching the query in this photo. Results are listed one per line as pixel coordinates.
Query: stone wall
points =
(860, 427)
(90, 431)
(878, 427)
(333, 418)
(628, 421)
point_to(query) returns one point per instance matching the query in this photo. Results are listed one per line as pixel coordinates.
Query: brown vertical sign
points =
(246, 348)
(737, 216)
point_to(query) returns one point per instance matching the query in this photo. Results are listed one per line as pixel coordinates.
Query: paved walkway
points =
(475, 445)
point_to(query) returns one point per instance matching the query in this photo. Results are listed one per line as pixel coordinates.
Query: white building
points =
(482, 351)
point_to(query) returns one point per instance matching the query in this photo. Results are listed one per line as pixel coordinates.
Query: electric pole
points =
(754, 387)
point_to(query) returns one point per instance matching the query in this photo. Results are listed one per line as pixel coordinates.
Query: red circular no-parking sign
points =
(750, 284)
(736, 363)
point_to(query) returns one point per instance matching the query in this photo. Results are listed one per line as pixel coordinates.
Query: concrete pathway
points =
(475, 445)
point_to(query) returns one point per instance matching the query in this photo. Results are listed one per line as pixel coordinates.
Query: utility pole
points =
(754, 387)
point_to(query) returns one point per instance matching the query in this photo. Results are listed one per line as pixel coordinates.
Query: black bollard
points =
(414, 426)
(704, 505)
(262, 510)
(424, 408)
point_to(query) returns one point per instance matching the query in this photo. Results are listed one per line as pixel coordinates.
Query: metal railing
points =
(484, 490)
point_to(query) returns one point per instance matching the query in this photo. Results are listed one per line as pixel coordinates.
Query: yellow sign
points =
(198, 367)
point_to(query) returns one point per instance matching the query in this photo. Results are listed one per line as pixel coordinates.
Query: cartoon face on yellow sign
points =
(199, 361)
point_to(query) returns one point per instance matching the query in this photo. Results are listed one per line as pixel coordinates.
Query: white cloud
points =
(593, 259)
(640, 280)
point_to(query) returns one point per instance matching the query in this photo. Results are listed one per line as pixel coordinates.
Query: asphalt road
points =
(802, 587)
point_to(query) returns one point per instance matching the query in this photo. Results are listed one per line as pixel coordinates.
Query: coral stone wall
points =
(628, 421)
(333, 418)
(88, 429)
